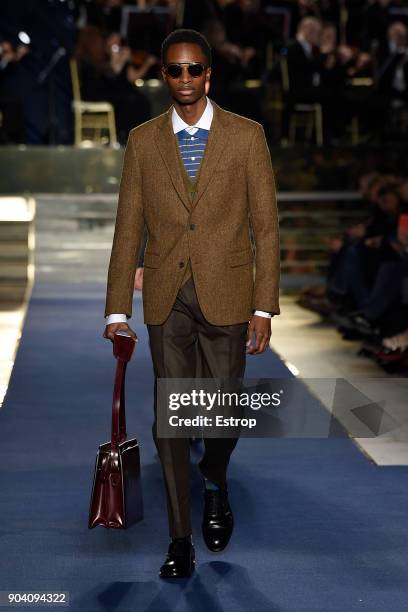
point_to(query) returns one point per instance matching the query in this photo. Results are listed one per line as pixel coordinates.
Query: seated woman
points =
(108, 74)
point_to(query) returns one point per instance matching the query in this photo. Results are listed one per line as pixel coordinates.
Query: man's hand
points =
(138, 279)
(374, 242)
(111, 329)
(260, 327)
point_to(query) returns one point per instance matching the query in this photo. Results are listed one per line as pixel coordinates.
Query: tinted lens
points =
(174, 70)
(195, 70)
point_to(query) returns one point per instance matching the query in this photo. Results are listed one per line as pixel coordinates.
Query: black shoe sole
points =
(182, 575)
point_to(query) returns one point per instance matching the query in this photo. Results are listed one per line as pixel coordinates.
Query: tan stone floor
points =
(313, 349)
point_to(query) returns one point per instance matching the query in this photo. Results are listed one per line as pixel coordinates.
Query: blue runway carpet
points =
(318, 526)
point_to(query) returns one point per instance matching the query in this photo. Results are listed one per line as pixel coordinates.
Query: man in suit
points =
(392, 65)
(308, 73)
(305, 63)
(196, 176)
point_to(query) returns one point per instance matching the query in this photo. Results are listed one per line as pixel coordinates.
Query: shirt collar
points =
(306, 46)
(204, 121)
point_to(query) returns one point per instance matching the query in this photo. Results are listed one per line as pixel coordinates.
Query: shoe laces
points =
(216, 501)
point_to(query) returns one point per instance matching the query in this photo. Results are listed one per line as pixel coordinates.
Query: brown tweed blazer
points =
(206, 222)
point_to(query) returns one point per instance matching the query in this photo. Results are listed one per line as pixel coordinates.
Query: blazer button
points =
(192, 226)
(181, 264)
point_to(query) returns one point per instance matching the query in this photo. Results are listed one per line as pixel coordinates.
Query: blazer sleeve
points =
(265, 224)
(140, 259)
(127, 236)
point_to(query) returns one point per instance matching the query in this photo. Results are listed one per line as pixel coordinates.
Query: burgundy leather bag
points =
(116, 499)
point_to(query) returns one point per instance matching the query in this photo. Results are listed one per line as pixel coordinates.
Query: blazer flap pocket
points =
(239, 258)
(151, 260)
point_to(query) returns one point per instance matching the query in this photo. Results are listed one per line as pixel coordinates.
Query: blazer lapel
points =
(167, 145)
(217, 142)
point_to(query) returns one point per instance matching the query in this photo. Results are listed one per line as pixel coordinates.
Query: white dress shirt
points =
(179, 124)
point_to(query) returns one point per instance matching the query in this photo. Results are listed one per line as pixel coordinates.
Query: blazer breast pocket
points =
(240, 258)
(151, 260)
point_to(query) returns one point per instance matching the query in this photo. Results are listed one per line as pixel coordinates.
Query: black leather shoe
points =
(180, 560)
(218, 521)
(364, 326)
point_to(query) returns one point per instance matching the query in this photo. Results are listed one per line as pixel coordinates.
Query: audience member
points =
(107, 73)
(311, 74)
(233, 59)
(12, 128)
(392, 66)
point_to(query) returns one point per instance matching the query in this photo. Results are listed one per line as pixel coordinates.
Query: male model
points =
(196, 176)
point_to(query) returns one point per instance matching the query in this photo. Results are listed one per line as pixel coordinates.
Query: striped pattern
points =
(192, 147)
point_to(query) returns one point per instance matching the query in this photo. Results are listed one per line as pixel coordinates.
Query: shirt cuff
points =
(261, 313)
(116, 318)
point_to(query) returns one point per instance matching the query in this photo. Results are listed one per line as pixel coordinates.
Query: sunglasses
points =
(195, 69)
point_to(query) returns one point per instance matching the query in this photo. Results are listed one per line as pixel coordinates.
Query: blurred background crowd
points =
(341, 63)
(366, 290)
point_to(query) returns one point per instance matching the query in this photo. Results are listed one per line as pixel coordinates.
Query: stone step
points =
(10, 270)
(14, 251)
(11, 231)
(12, 291)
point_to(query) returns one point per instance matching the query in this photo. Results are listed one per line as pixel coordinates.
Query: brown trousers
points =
(186, 345)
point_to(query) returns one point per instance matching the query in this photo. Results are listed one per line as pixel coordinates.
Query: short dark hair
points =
(184, 35)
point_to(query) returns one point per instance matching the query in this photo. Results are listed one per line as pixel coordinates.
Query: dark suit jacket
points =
(388, 63)
(301, 69)
(207, 223)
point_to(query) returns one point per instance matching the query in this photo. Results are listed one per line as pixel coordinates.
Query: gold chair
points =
(308, 116)
(355, 124)
(399, 117)
(92, 116)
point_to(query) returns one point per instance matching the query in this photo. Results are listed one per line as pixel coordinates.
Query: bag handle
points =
(123, 347)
